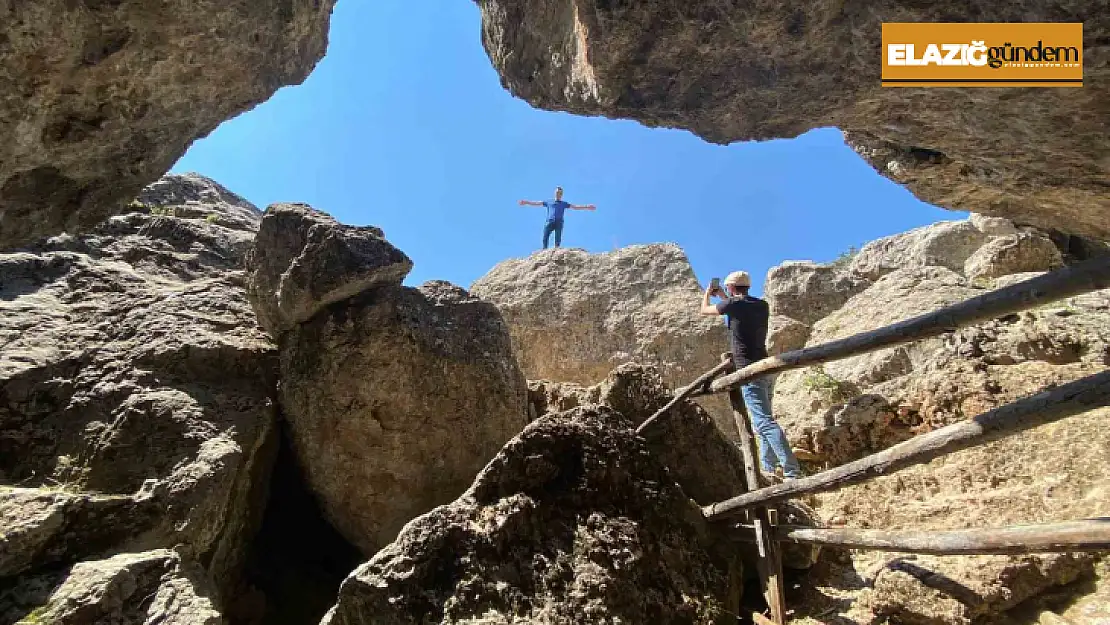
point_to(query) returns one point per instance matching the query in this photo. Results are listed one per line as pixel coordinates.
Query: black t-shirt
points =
(747, 324)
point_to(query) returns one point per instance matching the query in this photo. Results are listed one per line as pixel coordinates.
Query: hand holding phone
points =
(715, 285)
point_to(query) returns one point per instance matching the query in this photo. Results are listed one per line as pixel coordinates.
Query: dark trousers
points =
(557, 228)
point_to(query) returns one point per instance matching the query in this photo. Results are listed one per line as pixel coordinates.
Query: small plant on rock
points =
(845, 257)
(831, 390)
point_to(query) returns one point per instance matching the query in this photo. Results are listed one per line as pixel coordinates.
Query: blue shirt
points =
(555, 209)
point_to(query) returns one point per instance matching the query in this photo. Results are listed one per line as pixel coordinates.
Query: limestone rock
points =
(395, 399)
(705, 463)
(44, 526)
(99, 99)
(1019, 253)
(994, 226)
(192, 196)
(304, 260)
(956, 591)
(574, 316)
(766, 69)
(863, 405)
(808, 291)
(785, 334)
(136, 390)
(901, 294)
(150, 588)
(945, 244)
(573, 521)
(840, 408)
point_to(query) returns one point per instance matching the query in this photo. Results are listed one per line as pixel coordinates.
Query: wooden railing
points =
(757, 505)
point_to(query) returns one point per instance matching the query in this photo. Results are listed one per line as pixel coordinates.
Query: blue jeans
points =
(774, 449)
(557, 228)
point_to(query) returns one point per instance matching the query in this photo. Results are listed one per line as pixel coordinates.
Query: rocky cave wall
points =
(137, 413)
(99, 99)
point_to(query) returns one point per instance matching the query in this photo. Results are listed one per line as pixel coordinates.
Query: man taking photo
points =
(747, 323)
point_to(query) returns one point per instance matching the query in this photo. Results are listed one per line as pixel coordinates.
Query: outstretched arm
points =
(530, 203)
(583, 207)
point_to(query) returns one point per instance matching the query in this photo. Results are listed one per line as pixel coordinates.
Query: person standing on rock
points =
(747, 323)
(555, 210)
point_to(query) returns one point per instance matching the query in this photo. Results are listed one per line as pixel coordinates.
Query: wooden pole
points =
(686, 391)
(1048, 406)
(769, 561)
(1088, 535)
(1090, 275)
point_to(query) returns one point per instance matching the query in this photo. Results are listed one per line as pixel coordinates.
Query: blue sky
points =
(404, 125)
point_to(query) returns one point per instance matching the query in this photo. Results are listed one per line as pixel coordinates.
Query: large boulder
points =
(1017, 253)
(765, 69)
(946, 244)
(101, 98)
(574, 521)
(303, 259)
(395, 399)
(574, 316)
(807, 291)
(704, 462)
(136, 390)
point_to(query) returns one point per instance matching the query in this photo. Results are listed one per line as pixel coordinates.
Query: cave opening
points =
(297, 560)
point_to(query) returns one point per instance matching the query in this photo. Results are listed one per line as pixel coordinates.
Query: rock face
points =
(395, 397)
(704, 463)
(574, 521)
(304, 260)
(100, 98)
(574, 316)
(150, 588)
(785, 334)
(1012, 254)
(945, 244)
(806, 291)
(849, 408)
(726, 72)
(702, 460)
(136, 406)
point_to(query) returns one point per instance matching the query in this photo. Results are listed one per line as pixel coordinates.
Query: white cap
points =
(738, 278)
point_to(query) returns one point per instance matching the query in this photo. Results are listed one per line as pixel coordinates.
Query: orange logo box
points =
(982, 55)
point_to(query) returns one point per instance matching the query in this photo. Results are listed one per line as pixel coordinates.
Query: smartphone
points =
(715, 284)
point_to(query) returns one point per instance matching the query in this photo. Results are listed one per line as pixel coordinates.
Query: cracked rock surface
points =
(100, 98)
